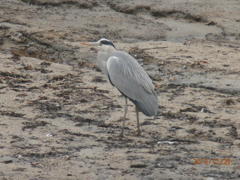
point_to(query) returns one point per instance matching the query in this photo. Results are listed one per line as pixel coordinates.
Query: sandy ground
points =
(60, 118)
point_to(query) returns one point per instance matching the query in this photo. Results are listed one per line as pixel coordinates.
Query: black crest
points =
(106, 42)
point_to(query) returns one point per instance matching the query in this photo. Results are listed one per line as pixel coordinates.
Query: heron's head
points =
(105, 42)
(102, 42)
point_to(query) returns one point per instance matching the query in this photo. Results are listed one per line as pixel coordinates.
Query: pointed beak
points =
(90, 43)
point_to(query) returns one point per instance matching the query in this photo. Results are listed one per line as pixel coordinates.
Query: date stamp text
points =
(212, 161)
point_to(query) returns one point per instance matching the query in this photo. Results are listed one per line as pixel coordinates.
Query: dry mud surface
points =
(60, 118)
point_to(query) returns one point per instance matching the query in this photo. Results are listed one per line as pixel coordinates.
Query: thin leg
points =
(124, 118)
(137, 114)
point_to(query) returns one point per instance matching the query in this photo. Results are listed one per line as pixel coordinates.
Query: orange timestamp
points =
(212, 161)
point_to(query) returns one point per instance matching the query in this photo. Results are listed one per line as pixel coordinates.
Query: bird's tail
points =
(149, 107)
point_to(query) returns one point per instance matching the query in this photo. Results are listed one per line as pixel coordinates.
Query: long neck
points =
(103, 56)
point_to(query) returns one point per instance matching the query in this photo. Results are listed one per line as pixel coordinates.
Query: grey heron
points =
(129, 77)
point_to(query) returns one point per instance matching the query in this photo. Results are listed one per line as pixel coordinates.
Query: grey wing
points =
(128, 76)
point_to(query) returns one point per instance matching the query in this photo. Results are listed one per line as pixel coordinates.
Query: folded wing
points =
(128, 76)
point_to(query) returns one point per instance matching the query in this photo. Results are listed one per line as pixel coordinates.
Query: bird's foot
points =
(138, 133)
(121, 135)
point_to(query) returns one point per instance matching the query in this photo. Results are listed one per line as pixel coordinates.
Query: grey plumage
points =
(128, 76)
